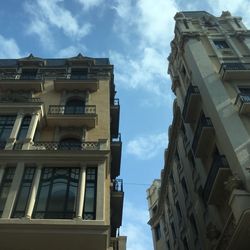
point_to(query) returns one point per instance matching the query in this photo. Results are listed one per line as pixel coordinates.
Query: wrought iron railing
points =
(117, 185)
(18, 76)
(190, 91)
(219, 162)
(71, 110)
(204, 122)
(241, 99)
(234, 66)
(4, 99)
(66, 146)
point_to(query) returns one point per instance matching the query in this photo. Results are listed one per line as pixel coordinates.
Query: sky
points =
(135, 35)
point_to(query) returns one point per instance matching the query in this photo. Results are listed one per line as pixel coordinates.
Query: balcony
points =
(71, 82)
(116, 151)
(21, 82)
(191, 107)
(115, 116)
(243, 103)
(203, 137)
(218, 174)
(64, 116)
(117, 197)
(235, 71)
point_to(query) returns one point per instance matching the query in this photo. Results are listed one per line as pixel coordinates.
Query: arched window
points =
(75, 106)
(70, 144)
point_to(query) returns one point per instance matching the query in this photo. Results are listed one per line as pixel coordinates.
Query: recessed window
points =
(56, 198)
(75, 106)
(5, 187)
(24, 128)
(79, 73)
(28, 74)
(6, 125)
(221, 44)
(70, 144)
(158, 232)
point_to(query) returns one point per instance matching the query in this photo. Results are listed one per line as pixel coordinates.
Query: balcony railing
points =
(71, 110)
(204, 122)
(218, 163)
(19, 99)
(66, 146)
(243, 102)
(235, 70)
(117, 185)
(192, 90)
(18, 76)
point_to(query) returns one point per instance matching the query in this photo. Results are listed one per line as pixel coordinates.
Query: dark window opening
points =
(79, 74)
(57, 194)
(24, 128)
(89, 211)
(158, 232)
(75, 106)
(6, 125)
(23, 193)
(70, 144)
(28, 74)
(221, 44)
(178, 209)
(5, 187)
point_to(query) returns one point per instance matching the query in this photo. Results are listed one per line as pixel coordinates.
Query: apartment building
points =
(60, 155)
(204, 200)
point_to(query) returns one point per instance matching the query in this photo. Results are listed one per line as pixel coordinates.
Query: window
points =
(6, 125)
(70, 144)
(28, 74)
(154, 209)
(79, 74)
(75, 106)
(158, 232)
(245, 91)
(56, 198)
(23, 193)
(221, 44)
(89, 211)
(24, 128)
(5, 187)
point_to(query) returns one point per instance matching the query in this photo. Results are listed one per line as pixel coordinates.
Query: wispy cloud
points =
(88, 4)
(9, 48)
(71, 51)
(48, 14)
(147, 147)
(135, 227)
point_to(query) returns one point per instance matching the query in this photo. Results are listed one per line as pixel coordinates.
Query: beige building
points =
(204, 199)
(60, 154)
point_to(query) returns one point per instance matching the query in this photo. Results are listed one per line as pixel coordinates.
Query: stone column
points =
(14, 132)
(100, 192)
(13, 190)
(33, 193)
(81, 192)
(31, 130)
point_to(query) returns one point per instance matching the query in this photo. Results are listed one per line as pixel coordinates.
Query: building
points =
(204, 199)
(60, 155)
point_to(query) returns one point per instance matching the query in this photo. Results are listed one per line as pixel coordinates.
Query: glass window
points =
(23, 193)
(6, 125)
(79, 74)
(75, 106)
(158, 232)
(57, 193)
(28, 74)
(70, 144)
(5, 187)
(24, 128)
(89, 211)
(221, 44)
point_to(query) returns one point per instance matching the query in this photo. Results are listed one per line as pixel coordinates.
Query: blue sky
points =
(135, 35)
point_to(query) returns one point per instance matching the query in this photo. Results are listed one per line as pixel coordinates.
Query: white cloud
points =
(88, 4)
(9, 48)
(48, 14)
(71, 51)
(135, 227)
(147, 147)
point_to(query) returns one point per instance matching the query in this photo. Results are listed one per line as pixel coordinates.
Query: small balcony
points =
(191, 107)
(62, 115)
(117, 197)
(116, 152)
(21, 82)
(218, 174)
(70, 82)
(203, 137)
(235, 71)
(243, 103)
(115, 117)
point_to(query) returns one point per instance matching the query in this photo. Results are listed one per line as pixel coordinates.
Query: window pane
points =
(6, 125)
(24, 128)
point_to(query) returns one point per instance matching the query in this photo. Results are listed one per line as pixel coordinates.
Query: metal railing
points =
(66, 146)
(241, 99)
(219, 161)
(234, 66)
(204, 122)
(18, 99)
(71, 110)
(191, 90)
(20, 76)
(117, 185)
